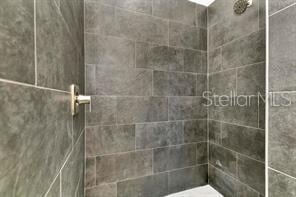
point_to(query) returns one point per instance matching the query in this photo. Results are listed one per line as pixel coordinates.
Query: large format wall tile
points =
(195, 61)
(245, 191)
(219, 86)
(169, 158)
(281, 185)
(112, 168)
(58, 57)
(155, 185)
(215, 132)
(109, 51)
(215, 60)
(202, 153)
(144, 6)
(55, 188)
(90, 172)
(17, 40)
(32, 119)
(195, 131)
(282, 51)
(275, 5)
(107, 190)
(153, 135)
(188, 178)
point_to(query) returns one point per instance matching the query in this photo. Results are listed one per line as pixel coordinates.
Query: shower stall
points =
(147, 98)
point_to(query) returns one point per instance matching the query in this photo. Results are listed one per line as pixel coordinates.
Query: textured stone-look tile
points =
(282, 51)
(17, 40)
(252, 173)
(282, 136)
(188, 178)
(251, 80)
(155, 185)
(201, 84)
(222, 182)
(153, 135)
(90, 82)
(144, 6)
(174, 157)
(223, 83)
(107, 190)
(201, 16)
(58, 57)
(245, 191)
(181, 11)
(131, 82)
(182, 108)
(247, 50)
(109, 51)
(281, 185)
(103, 111)
(262, 14)
(202, 153)
(110, 139)
(215, 60)
(90, 172)
(106, 20)
(32, 119)
(174, 84)
(141, 109)
(195, 61)
(73, 171)
(223, 159)
(275, 5)
(158, 57)
(215, 131)
(220, 10)
(187, 36)
(54, 191)
(112, 168)
(195, 131)
(244, 140)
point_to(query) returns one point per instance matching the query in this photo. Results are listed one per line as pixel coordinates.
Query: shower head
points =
(240, 6)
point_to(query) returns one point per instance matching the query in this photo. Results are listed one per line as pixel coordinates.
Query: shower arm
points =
(77, 99)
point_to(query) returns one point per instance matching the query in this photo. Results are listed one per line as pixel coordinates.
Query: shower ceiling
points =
(203, 2)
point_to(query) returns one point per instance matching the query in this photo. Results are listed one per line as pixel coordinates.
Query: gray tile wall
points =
(282, 133)
(41, 146)
(146, 69)
(236, 134)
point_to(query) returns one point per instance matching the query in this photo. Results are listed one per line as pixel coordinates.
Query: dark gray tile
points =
(116, 167)
(187, 36)
(252, 173)
(174, 84)
(78, 124)
(281, 185)
(202, 16)
(107, 190)
(245, 191)
(169, 158)
(153, 135)
(144, 6)
(244, 51)
(55, 188)
(90, 172)
(32, 119)
(202, 153)
(73, 171)
(90, 82)
(155, 185)
(142, 109)
(110, 139)
(282, 51)
(215, 60)
(17, 40)
(275, 5)
(181, 11)
(219, 86)
(182, 108)
(222, 182)
(109, 51)
(220, 10)
(215, 131)
(135, 82)
(103, 111)
(59, 59)
(223, 159)
(201, 84)
(188, 178)
(195, 61)
(244, 140)
(262, 14)
(251, 80)
(195, 131)
(282, 133)
(262, 112)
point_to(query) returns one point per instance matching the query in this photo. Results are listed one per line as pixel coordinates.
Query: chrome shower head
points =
(240, 6)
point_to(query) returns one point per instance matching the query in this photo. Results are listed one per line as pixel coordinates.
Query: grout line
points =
(61, 190)
(35, 42)
(238, 125)
(277, 12)
(282, 173)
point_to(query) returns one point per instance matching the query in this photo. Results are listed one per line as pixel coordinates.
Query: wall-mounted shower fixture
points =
(77, 99)
(240, 6)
